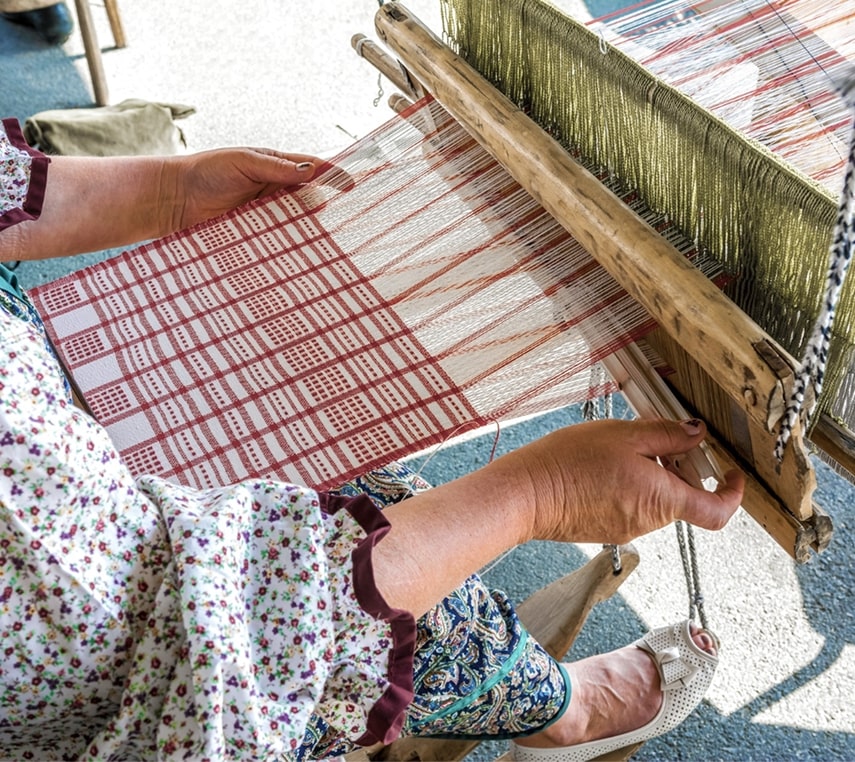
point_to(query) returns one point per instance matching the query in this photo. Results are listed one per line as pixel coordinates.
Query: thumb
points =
(712, 510)
(274, 168)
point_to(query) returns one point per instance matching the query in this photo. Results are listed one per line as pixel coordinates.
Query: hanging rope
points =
(688, 554)
(812, 371)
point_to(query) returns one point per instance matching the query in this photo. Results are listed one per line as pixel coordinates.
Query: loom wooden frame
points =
(753, 372)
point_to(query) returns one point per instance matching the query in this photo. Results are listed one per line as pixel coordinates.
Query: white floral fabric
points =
(142, 620)
(22, 174)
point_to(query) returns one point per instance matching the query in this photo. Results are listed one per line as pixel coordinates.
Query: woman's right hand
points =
(601, 482)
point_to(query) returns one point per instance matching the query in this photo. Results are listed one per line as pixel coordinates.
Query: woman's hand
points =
(95, 203)
(592, 482)
(601, 482)
(210, 183)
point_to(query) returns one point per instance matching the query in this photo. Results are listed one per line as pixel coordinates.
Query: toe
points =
(703, 640)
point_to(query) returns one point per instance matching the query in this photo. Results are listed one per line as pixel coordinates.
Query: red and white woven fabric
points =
(413, 291)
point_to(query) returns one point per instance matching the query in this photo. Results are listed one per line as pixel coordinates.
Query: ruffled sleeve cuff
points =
(23, 176)
(386, 717)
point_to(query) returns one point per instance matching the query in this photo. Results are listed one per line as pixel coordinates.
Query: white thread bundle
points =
(766, 68)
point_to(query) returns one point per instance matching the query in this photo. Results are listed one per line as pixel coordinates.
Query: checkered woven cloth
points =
(412, 292)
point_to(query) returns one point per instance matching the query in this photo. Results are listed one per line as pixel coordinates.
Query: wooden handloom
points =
(723, 365)
(747, 375)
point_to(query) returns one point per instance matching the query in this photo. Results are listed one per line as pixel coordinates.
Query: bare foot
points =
(613, 693)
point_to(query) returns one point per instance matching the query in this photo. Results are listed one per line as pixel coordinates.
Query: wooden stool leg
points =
(93, 51)
(116, 26)
(553, 615)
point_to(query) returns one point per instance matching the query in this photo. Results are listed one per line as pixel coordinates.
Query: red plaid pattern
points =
(410, 293)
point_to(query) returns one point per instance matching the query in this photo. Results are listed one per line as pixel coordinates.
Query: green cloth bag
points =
(131, 128)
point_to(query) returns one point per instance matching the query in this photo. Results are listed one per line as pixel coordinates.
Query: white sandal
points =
(686, 672)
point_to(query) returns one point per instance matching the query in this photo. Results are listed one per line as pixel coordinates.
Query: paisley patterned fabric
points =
(478, 674)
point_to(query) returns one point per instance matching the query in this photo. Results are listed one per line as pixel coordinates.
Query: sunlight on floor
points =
(823, 703)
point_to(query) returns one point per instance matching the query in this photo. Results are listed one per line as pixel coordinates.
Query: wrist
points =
(512, 488)
(170, 189)
(543, 486)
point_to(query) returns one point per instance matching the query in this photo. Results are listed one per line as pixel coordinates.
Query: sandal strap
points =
(676, 656)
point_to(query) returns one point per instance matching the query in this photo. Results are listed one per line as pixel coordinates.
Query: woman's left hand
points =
(213, 182)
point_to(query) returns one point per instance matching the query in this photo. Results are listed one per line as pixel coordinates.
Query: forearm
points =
(593, 482)
(440, 537)
(97, 203)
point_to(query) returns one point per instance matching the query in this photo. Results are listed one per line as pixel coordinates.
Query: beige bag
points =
(132, 127)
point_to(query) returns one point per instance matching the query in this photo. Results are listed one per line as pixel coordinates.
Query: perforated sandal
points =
(686, 672)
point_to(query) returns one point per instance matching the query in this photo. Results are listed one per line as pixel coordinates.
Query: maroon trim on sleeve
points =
(38, 178)
(386, 717)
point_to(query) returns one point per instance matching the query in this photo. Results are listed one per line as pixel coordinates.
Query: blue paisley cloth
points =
(477, 672)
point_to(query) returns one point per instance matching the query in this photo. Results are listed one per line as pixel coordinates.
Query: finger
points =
(322, 170)
(294, 158)
(280, 169)
(659, 437)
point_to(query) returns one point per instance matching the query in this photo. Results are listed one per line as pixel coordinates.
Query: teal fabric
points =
(9, 282)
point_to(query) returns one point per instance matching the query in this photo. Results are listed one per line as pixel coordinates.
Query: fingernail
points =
(304, 166)
(692, 427)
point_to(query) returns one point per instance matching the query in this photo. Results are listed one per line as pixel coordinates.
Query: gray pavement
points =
(283, 74)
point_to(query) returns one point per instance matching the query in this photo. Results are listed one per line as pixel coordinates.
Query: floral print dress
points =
(140, 616)
(140, 619)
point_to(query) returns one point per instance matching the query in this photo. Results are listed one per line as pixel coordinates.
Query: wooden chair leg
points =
(116, 26)
(554, 616)
(93, 49)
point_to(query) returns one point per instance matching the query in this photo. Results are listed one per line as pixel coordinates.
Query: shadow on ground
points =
(707, 735)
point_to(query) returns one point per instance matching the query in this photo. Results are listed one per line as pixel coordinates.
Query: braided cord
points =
(688, 554)
(812, 370)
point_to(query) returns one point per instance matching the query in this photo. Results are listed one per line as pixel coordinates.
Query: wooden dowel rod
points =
(399, 103)
(650, 397)
(686, 304)
(386, 65)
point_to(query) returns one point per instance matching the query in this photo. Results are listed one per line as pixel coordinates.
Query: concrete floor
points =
(283, 75)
